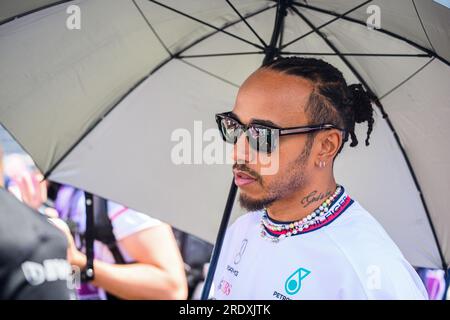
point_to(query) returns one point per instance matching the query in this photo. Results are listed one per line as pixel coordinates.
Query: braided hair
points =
(331, 100)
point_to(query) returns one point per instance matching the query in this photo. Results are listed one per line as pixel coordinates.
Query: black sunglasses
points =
(262, 138)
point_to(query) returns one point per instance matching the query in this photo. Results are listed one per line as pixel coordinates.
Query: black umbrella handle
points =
(219, 241)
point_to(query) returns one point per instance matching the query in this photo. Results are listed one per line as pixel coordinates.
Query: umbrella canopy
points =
(101, 107)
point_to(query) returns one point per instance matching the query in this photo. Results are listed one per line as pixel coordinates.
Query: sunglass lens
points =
(230, 129)
(262, 139)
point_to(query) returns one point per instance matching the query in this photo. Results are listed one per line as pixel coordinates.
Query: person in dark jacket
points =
(33, 263)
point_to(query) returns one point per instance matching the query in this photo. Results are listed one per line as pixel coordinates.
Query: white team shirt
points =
(350, 257)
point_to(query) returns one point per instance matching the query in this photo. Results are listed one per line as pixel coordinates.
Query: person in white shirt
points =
(152, 266)
(304, 237)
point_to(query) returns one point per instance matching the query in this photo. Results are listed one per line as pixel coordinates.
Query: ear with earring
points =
(322, 164)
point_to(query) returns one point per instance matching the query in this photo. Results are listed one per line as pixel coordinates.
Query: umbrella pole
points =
(89, 237)
(219, 241)
(447, 284)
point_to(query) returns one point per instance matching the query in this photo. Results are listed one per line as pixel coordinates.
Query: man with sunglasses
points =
(304, 237)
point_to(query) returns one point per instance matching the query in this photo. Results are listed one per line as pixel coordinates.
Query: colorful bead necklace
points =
(275, 231)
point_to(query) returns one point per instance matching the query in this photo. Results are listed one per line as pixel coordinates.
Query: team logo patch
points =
(225, 287)
(293, 283)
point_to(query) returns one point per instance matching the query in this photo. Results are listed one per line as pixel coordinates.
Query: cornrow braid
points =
(331, 100)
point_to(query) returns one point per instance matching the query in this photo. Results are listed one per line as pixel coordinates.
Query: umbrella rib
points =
(394, 132)
(381, 30)
(280, 40)
(222, 28)
(151, 28)
(220, 54)
(209, 73)
(331, 45)
(326, 23)
(423, 26)
(33, 11)
(407, 79)
(405, 55)
(206, 24)
(246, 23)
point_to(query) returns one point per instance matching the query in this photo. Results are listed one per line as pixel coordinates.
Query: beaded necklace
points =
(276, 231)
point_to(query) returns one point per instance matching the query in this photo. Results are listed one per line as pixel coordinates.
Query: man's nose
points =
(242, 153)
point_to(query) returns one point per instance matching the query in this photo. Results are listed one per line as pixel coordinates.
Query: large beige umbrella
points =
(96, 107)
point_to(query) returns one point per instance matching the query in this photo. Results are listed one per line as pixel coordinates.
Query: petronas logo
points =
(293, 284)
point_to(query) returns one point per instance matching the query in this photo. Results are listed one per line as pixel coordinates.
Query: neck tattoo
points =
(314, 197)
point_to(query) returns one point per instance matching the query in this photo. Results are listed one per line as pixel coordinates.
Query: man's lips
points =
(241, 178)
